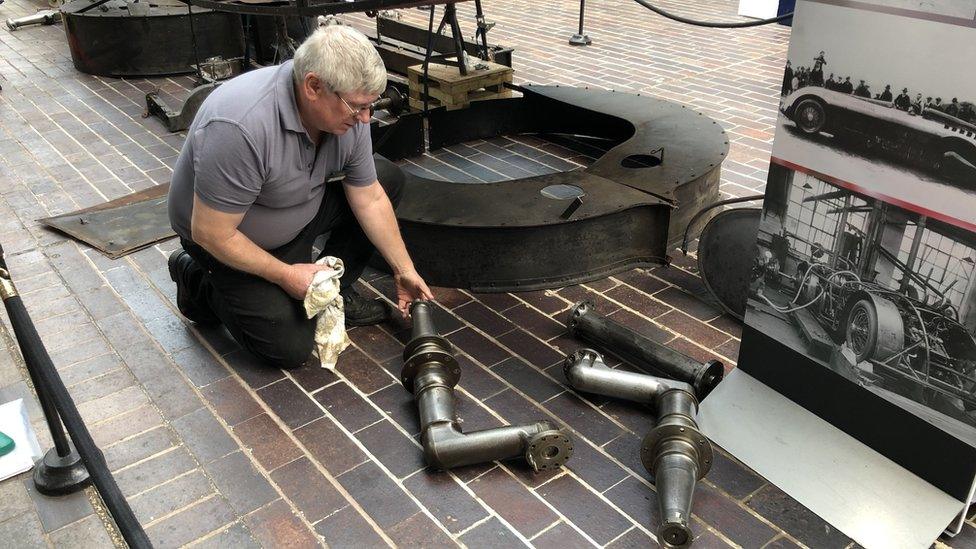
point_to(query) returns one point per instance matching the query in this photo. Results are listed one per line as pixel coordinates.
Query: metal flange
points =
(445, 360)
(687, 434)
(548, 450)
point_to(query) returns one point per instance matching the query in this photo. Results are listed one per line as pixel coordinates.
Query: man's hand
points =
(295, 279)
(409, 286)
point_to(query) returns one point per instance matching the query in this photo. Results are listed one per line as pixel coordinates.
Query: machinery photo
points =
(881, 295)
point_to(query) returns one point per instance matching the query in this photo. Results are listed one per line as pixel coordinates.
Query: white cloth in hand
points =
(322, 298)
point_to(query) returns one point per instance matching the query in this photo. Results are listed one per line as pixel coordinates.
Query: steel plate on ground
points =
(121, 226)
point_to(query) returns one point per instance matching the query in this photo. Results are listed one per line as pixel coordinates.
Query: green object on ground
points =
(6, 444)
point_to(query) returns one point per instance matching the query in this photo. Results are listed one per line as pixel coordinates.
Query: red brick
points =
(513, 502)
(269, 445)
(276, 525)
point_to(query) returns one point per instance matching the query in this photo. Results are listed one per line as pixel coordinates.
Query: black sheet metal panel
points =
(663, 148)
(121, 226)
(105, 39)
(402, 139)
(508, 236)
(726, 249)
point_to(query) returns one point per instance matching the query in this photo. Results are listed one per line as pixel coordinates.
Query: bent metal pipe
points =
(584, 323)
(674, 452)
(430, 372)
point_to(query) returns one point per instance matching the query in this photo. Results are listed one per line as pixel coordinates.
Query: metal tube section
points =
(583, 322)
(674, 452)
(586, 371)
(47, 17)
(430, 371)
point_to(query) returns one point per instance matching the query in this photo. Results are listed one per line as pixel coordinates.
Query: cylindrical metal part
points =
(423, 320)
(436, 405)
(47, 17)
(430, 371)
(582, 11)
(586, 371)
(150, 39)
(675, 453)
(542, 446)
(677, 475)
(583, 322)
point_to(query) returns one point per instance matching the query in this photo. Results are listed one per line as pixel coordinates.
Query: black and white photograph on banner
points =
(885, 104)
(937, 10)
(883, 296)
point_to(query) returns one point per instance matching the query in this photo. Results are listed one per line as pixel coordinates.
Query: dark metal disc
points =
(726, 249)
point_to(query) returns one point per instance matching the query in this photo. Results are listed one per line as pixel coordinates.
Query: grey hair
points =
(343, 58)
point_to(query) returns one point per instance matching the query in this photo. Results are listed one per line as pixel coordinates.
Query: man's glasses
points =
(356, 112)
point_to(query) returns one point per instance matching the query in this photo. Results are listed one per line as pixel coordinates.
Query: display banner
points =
(862, 303)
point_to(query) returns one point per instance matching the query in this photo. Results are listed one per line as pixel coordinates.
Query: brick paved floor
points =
(214, 450)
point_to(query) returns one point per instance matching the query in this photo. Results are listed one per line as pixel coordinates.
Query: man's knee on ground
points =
(287, 344)
(390, 177)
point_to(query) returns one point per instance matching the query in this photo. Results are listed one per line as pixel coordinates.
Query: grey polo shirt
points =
(247, 151)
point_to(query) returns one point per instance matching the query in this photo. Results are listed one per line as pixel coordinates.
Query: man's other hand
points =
(409, 286)
(296, 278)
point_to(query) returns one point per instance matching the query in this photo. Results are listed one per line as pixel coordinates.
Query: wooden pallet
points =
(447, 87)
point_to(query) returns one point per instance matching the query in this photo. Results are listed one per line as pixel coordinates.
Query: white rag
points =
(323, 299)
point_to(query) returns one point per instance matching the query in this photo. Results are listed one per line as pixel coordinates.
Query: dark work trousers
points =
(259, 314)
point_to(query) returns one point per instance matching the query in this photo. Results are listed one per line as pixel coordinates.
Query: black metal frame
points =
(304, 8)
(402, 45)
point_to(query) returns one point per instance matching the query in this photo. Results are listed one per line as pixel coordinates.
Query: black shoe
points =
(361, 311)
(179, 263)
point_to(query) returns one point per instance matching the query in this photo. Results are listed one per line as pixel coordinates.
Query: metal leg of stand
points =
(61, 470)
(481, 36)
(580, 39)
(450, 18)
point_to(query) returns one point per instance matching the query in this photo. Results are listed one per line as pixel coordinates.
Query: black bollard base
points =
(580, 40)
(59, 476)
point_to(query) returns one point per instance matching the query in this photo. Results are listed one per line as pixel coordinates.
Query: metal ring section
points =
(692, 437)
(548, 450)
(7, 288)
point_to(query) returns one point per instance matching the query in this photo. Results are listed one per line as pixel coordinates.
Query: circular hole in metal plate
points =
(640, 161)
(562, 192)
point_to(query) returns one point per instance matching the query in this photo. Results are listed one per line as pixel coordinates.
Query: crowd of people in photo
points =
(796, 78)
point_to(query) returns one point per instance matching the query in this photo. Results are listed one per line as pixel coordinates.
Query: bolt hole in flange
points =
(636, 161)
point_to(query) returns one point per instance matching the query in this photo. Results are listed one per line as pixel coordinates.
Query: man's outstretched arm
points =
(374, 212)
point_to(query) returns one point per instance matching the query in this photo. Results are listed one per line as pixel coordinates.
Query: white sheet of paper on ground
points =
(15, 424)
(868, 497)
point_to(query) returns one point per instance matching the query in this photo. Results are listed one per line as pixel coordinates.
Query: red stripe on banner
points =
(968, 225)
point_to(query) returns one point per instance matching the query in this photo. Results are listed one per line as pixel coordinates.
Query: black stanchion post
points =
(61, 470)
(580, 39)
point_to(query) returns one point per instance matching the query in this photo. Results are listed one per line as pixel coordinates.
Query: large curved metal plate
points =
(726, 249)
(509, 236)
(109, 41)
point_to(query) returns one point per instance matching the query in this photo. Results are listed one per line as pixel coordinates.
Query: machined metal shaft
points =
(612, 337)
(674, 452)
(46, 17)
(430, 372)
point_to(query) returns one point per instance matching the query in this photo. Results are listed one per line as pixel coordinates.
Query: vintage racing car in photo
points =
(933, 141)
